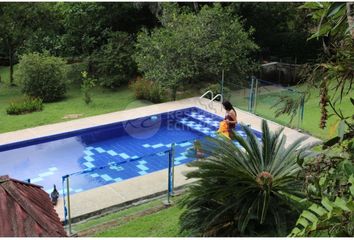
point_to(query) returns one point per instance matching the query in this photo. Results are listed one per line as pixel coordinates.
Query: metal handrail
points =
(209, 91)
(217, 95)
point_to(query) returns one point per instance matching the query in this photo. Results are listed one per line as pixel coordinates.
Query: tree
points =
(112, 63)
(244, 190)
(42, 76)
(281, 29)
(84, 28)
(335, 66)
(333, 69)
(18, 20)
(190, 45)
(87, 25)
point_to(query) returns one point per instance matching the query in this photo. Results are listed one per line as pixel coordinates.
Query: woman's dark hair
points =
(228, 106)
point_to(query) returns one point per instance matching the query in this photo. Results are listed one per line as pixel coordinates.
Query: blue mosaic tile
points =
(180, 158)
(142, 167)
(158, 145)
(89, 165)
(106, 177)
(100, 150)
(124, 155)
(89, 159)
(186, 144)
(142, 172)
(112, 153)
(88, 153)
(94, 175)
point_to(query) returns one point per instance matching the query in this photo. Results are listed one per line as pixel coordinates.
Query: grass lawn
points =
(104, 101)
(163, 223)
(267, 97)
(5, 73)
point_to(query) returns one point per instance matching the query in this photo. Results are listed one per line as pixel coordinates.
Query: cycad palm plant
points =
(247, 190)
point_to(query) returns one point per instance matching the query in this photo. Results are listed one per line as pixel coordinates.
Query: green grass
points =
(104, 101)
(5, 74)
(312, 115)
(113, 216)
(164, 223)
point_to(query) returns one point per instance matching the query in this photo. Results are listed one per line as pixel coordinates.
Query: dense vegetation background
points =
(90, 32)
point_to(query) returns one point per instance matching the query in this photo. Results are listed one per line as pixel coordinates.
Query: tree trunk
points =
(196, 6)
(174, 93)
(350, 17)
(11, 57)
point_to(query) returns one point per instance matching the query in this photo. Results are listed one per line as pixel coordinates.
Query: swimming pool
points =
(130, 149)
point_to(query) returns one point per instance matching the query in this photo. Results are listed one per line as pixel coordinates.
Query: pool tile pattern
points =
(122, 157)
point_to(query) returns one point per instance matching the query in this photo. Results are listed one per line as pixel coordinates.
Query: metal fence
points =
(265, 99)
(72, 204)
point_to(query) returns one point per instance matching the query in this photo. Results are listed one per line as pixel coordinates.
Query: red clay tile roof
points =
(26, 211)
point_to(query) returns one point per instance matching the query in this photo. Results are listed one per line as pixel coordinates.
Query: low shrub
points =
(42, 76)
(216, 89)
(147, 90)
(26, 105)
(156, 92)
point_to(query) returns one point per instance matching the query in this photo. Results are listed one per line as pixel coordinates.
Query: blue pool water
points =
(110, 153)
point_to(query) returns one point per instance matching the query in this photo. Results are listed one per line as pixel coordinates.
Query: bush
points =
(74, 71)
(42, 76)
(112, 64)
(147, 90)
(216, 89)
(24, 106)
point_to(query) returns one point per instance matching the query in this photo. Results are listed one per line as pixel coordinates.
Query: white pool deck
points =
(116, 194)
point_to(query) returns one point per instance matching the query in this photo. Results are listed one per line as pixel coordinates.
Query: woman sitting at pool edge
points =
(230, 118)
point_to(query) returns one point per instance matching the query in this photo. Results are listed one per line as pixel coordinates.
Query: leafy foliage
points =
(190, 45)
(74, 71)
(147, 90)
(86, 86)
(289, 105)
(26, 105)
(334, 69)
(42, 76)
(281, 29)
(330, 192)
(112, 64)
(337, 62)
(18, 22)
(337, 217)
(244, 190)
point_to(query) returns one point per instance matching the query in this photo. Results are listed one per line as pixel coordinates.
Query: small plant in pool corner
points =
(198, 149)
(86, 87)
